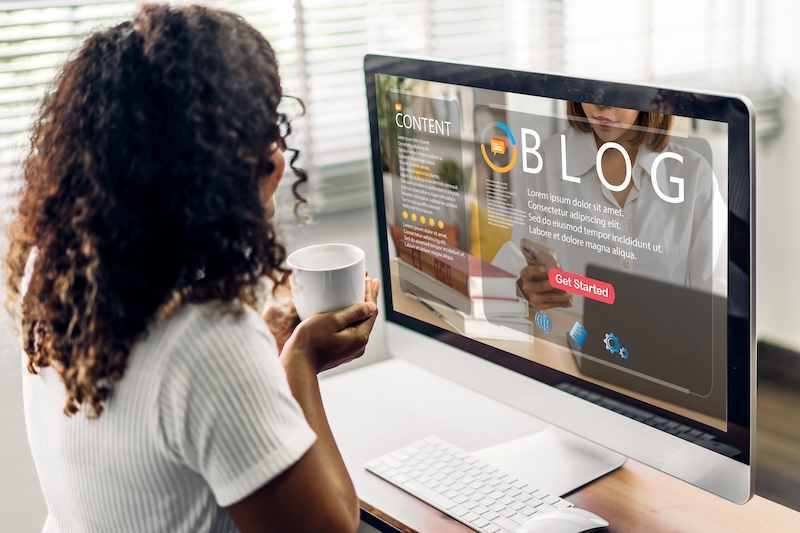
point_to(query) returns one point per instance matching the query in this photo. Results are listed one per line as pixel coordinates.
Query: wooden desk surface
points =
(379, 408)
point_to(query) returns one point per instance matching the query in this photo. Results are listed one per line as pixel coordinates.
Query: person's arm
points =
(535, 287)
(533, 283)
(316, 493)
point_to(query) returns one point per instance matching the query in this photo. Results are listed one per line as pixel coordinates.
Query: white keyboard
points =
(461, 485)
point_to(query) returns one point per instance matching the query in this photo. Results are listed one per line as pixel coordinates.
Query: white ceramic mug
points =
(326, 277)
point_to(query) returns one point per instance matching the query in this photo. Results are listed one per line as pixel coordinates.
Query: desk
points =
(376, 409)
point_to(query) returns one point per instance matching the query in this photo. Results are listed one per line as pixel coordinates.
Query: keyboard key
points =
(487, 501)
(506, 523)
(490, 515)
(541, 494)
(551, 499)
(507, 512)
(400, 456)
(480, 522)
(519, 518)
(434, 497)
(458, 511)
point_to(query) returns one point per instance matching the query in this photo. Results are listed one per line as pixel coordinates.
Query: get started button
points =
(582, 286)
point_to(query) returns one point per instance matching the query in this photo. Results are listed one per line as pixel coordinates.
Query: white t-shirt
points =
(692, 234)
(201, 419)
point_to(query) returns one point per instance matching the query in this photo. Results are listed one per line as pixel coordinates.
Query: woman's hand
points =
(328, 340)
(280, 314)
(537, 290)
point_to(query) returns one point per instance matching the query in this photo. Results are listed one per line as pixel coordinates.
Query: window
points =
(718, 44)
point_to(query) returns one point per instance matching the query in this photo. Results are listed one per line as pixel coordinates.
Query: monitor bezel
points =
(734, 110)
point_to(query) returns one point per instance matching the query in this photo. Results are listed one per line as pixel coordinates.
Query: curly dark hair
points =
(141, 190)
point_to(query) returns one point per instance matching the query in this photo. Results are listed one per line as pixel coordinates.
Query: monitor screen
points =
(592, 236)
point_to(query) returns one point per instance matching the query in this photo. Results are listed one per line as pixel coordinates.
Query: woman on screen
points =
(156, 397)
(629, 198)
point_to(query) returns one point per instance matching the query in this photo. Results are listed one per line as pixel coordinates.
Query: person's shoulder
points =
(199, 331)
(691, 158)
(219, 315)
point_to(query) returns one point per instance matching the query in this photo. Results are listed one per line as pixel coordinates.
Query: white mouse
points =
(569, 520)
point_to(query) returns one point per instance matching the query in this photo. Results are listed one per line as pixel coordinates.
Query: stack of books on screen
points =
(474, 297)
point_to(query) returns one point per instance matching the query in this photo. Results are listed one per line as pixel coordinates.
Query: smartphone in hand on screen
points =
(539, 253)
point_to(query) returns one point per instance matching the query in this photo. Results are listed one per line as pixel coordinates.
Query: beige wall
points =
(778, 201)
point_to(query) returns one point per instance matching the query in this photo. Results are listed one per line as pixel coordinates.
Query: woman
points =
(156, 398)
(630, 202)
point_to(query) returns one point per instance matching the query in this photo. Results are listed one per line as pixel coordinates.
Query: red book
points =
(463, 272)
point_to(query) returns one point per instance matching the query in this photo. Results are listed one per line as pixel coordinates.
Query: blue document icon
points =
(578, 333)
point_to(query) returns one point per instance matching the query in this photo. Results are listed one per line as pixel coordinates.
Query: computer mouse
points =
(569, 520)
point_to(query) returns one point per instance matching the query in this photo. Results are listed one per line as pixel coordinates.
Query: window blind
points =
(712, 44)
(35, 38)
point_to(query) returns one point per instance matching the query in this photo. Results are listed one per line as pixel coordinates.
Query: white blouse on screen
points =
(693, 233)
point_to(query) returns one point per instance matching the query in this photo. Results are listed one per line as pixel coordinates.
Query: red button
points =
(582, 286)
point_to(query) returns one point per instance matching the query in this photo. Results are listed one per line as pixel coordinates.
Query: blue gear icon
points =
(623, 352)
(612, 343)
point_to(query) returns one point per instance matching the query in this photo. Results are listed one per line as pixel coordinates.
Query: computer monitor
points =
(579, 249)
